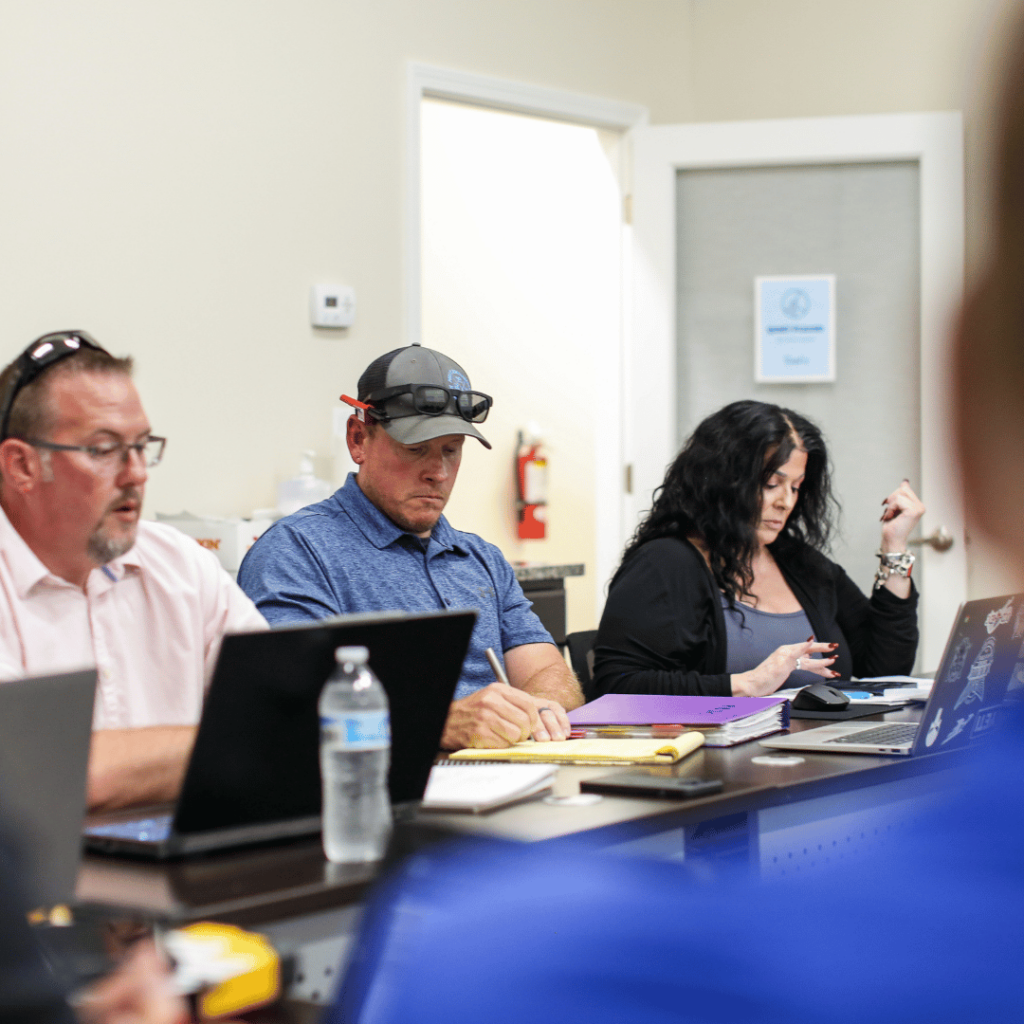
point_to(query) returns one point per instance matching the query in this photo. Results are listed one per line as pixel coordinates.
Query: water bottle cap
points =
(354, 655)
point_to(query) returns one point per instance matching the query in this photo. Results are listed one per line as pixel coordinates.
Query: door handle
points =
(940, 539)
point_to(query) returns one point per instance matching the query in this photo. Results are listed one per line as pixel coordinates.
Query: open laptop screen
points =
(256, 757)
(45, 730)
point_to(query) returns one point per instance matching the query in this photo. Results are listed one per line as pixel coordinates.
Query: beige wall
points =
(176, 176)
(807, 58)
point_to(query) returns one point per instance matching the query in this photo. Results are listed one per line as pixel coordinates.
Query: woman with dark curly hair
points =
(724, 588)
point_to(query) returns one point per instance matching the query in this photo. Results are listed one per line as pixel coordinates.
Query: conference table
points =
(780, 819)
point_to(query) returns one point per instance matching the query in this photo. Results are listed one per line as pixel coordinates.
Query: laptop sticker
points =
(999, 617)
(985, 721)
(958, 728)
(959, 659)
(980, 668)
(933, 729)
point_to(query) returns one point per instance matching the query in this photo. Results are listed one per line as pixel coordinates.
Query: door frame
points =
(428, 81)
(935, 141)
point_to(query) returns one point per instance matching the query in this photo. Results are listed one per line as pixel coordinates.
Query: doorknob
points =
(940, 539)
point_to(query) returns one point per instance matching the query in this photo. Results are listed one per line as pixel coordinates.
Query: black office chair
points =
(581, 657)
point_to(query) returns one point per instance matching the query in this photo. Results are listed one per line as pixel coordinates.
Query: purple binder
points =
(666, 709)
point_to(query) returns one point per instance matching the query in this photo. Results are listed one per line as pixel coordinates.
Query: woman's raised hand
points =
(776, 668)
(902, 512)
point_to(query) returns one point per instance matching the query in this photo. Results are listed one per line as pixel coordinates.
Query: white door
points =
(534, 388)
(879, 202)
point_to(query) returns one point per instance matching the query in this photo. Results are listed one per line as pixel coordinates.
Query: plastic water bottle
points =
(355, 750)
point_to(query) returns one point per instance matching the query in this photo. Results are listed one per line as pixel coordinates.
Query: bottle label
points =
(357, 730)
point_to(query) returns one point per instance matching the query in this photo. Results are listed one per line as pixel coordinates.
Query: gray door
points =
(859, 221)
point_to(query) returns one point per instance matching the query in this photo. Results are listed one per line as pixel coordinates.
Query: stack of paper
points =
(902, 689)
(483, 787)
(873, 690)
(761, 723)
(724, 721)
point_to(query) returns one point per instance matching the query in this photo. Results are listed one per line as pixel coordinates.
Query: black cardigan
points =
(663, 629)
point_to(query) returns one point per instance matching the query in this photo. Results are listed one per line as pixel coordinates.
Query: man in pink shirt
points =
(83, 581)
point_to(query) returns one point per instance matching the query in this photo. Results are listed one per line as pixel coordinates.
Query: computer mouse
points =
(820, 697)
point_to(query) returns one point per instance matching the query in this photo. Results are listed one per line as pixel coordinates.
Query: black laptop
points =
(254, 773)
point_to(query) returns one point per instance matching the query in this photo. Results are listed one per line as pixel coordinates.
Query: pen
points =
(499, 672)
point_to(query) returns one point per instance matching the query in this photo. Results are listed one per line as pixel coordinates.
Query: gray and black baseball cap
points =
(417, 394)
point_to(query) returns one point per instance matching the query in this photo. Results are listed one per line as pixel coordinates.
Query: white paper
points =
(471, 785)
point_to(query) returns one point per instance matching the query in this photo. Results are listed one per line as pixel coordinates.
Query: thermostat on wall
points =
(332, 305)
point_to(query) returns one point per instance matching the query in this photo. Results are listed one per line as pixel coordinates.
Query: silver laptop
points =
(982, 666)
(45, 731)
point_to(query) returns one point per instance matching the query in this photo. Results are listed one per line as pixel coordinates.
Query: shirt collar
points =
(22, 562)
(27, 570)
(444, 536)
(116, 569)
(380, 531)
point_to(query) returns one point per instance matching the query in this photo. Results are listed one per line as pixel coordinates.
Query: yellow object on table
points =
(591, 751)
(228, 969)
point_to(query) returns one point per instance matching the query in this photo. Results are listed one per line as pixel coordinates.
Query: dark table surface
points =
(257, 885)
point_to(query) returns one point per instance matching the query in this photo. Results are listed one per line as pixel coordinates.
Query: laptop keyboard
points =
(152, 830)
(890, 734)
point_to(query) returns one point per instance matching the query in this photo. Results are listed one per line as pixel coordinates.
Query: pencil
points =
(499, 672)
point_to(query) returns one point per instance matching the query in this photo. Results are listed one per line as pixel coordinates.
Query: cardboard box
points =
(228, 539)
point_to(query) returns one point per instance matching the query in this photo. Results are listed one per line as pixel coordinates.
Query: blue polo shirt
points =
(344, 555)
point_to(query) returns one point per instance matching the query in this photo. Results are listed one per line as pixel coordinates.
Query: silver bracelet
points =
(900, 563)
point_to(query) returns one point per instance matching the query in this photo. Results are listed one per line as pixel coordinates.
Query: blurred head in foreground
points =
(989, 348)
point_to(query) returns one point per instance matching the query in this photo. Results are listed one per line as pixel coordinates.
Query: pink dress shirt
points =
(151, 622)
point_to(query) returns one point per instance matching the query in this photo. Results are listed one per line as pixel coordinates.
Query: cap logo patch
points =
(457, 381)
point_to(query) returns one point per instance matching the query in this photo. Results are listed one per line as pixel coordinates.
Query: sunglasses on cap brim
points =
(427, 400)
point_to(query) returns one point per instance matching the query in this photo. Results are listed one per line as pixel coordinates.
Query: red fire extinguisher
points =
(532, 486)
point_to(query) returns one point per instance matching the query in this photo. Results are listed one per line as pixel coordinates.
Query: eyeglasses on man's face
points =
(112, 455)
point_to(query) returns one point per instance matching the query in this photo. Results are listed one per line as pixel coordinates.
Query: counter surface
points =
(547, 572)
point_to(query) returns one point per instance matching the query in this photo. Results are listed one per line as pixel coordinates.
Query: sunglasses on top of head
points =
(39, 356)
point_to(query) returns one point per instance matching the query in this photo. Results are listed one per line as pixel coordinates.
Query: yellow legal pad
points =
(591, 751)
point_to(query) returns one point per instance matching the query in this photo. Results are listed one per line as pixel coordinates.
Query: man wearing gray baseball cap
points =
(381, 542)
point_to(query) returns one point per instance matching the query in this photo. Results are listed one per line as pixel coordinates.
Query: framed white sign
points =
(795, 329)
